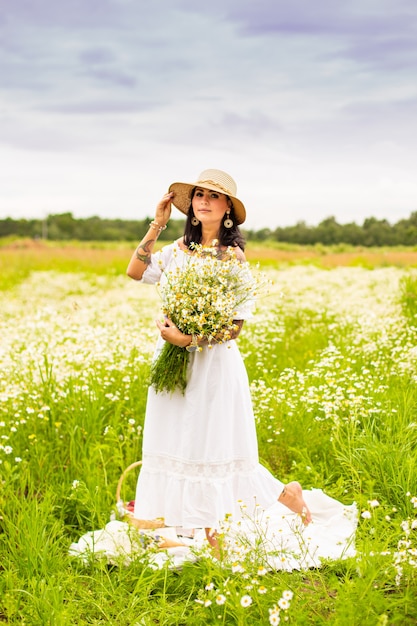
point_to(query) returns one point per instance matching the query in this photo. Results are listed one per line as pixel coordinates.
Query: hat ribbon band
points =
(212, 182)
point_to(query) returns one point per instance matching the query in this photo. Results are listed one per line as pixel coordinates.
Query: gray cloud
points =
(294, 87)
(97, 56)
(390, 52)
(69, 14)
(326, 17)
(99, 107)
(112, 77)
(382, 33)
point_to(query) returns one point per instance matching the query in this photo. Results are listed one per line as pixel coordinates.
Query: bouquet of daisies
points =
(201, 298)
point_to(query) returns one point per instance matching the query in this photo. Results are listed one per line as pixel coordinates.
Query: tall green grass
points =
(333, 380)
(408, 297)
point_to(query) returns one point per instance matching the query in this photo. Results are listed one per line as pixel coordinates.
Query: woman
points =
(200, 455)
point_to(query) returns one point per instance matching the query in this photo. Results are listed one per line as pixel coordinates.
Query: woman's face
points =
(209, 206)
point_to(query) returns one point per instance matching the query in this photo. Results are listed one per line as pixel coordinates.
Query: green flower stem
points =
(169, 370)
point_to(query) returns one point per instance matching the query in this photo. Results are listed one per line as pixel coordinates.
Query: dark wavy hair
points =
(227, 236)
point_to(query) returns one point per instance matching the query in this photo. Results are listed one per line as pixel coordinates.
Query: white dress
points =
(200, 453)
(200, 465)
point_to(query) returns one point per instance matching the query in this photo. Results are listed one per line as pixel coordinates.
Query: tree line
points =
(64, 226)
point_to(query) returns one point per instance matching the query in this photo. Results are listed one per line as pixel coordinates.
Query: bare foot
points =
(212, 538)
(292, 497)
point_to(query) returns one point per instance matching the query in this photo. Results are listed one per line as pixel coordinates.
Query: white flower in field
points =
(75, 484)
(274, 618)
(414, 501)
(398, 577)
(203, 602)
(262, 571)
(245, 601)
(366, 515)
(132, 421)
(283, 604)
(209, 587)
(262, 589)
(414, 524)
(373, 503)
(405, 525)
(220, 599)
(8, 449)
(287, 594)
(237, 568)
(17, 459)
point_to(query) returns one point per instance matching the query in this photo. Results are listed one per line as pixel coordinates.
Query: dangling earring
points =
(228, 223)
(195, 221)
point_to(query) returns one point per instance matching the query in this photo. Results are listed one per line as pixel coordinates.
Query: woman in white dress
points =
(200, 456)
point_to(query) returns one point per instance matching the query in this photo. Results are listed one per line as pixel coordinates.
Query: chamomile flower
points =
(283, 604)
(246, 601)
(274, 618)
(237, 568)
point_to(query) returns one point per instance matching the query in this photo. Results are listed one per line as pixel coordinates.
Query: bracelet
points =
(193, 346)
(157, 226)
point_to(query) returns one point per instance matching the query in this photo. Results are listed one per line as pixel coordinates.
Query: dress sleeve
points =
(159, 261)
(244, 310)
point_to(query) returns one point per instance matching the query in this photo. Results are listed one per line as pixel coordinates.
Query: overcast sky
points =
(310, 105)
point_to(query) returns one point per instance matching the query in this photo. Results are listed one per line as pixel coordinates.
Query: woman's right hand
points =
(172, 334)
(163, 209)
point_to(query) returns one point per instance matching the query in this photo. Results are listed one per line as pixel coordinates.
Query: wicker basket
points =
(125, 510)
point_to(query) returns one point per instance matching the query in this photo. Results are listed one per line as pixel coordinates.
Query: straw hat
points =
(214, 180)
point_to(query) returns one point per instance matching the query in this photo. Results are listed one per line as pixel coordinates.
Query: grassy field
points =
(19, 257)
(332, 360)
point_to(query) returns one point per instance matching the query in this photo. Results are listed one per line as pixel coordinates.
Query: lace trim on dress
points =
(180, 468)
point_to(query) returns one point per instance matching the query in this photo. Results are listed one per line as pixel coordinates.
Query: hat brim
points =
(182, 198)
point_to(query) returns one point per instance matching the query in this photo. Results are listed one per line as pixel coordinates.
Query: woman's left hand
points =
(172, 334)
